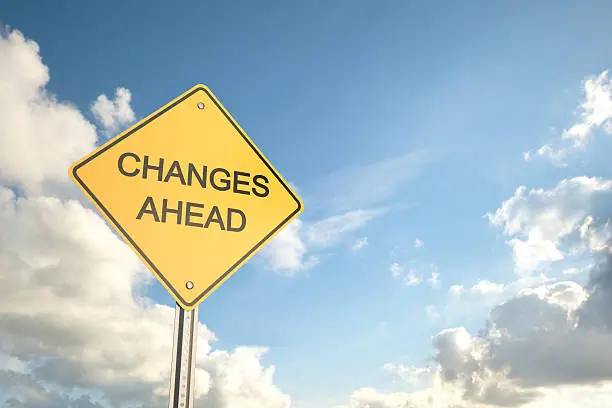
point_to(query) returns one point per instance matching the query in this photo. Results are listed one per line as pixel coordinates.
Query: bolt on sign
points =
(190, 192)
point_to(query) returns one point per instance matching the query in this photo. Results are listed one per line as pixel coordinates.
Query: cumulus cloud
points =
(114, 114)
(288, 251)
(595, 111)
(73, 329)
(537, 339)
(59, 267)
(547, 345)
(546, 341)
(372, 398)
(544, 225)
(409, 374)
(555, 155)
(595, 114)
(469, 300)
(485, 287)
(39, 136)
(436, 396)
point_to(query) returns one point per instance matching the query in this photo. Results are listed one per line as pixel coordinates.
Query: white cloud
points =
(360, 244)
(438, 397)
(534, 251)
(330, 230)
(556, 156)
(341, 194)
(596, 110)
(396, 269)
(540, 221)
(546, 346)
(595, 114)
(114, 114)
(418, 243)
(242, 380)
(372, 398)
(287, 252)
(456, 290)
(434, 279)
(67, 283)
(468, 301)
(413, 273)
(409, 374)
(368, 185)
(410, 276)
(435, 396)
(573, 271)
(594, 235)
(290, 251)
(59, 266)
(485, 287)
(40, 137)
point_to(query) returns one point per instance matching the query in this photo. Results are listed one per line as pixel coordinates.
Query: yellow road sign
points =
(190, 192)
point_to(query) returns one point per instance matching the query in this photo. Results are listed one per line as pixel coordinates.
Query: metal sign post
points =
(182, 375)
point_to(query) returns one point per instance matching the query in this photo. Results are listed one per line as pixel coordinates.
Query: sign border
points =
(124, 135)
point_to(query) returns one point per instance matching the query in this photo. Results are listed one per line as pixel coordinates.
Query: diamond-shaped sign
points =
(190, 192)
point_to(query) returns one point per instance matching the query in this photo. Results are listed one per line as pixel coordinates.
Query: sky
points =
(453, 159)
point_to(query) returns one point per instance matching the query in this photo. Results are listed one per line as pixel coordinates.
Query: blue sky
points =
(424, 110)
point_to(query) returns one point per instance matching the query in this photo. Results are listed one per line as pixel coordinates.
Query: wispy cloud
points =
(349, 199)
(329, 230)
(365, 186)
(291, 251)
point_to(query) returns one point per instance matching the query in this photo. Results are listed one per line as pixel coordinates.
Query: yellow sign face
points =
(190, 193)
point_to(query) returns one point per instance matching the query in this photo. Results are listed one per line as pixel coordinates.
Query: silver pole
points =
(182, 375)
